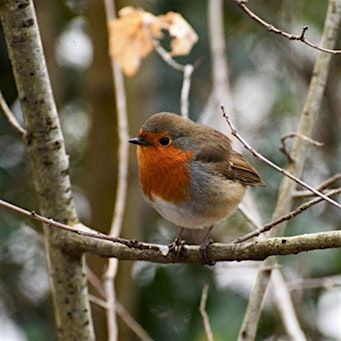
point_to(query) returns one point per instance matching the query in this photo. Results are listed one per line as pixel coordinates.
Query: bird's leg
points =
(178, 242)
(204, 248)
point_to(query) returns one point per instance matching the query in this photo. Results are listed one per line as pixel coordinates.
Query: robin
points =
(190, 174)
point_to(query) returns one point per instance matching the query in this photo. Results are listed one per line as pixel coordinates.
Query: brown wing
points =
(217, 154)
(242, 171)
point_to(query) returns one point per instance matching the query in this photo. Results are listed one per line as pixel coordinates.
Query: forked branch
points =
(270, 163)
(271, 28)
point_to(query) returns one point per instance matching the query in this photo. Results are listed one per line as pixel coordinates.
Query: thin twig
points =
(94, 281)
(270, 163)
(185, 89)
(203, 312)
(124, 314)
(283, 147)
(325, 184)
(122, 181)
(285, 217)
(249, 217)
(99, 301)
(167, 58)
(221, 90)
(11, 117)
(300, 37)
(80, 231)
(187, 71)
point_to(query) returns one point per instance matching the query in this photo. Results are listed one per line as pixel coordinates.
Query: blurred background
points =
(269, 77)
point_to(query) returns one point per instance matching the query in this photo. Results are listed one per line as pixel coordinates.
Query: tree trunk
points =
(45, 146)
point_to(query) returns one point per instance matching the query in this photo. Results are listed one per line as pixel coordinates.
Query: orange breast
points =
(164, 172)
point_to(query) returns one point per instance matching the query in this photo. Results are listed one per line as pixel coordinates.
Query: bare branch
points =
(186, 87)
(11, 117)
(203, 312)
(270, 163)
(300, 37)
(308, 117)
(167, 58)
(95, 281)
(249, 324)
(285, 306)
(122, 181)
(187, 71)
(221, 90)
(325, 184)
(124, 314)
(99, 301)
(79, 229)
(285, 217)
(81, 240)
(284, 149)
(249, 217)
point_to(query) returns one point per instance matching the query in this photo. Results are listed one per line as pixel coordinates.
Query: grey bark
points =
(45, 145)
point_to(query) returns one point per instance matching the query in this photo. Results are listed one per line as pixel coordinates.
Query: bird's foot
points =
(177, 247)
(204, 250)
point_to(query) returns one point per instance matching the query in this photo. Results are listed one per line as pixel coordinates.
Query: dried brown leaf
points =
(183, 35)
(131, 38)
(132, 34)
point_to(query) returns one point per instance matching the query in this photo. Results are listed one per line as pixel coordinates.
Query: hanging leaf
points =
(183, 35)
(132, 34)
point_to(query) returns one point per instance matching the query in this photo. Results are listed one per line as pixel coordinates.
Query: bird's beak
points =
(140, 141)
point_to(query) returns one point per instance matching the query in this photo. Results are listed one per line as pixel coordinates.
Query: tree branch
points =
(285, 217)
(122, 181)
(271, 164)
(204, 315)
(11, 118)
(187, 71)
(283, 147)
(325, 184)
(285, 306)
(102, 245)
(300, 37)
(82, 240)
(306, 124)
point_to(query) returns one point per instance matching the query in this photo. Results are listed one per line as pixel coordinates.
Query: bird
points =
(190, 174)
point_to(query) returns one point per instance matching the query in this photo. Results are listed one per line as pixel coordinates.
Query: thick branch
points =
(258, 250)
(87, 240)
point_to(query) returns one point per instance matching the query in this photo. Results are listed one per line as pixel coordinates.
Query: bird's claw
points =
(204, 250)
(177, 246)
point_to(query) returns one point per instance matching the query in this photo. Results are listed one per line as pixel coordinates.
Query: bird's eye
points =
(164, 141)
